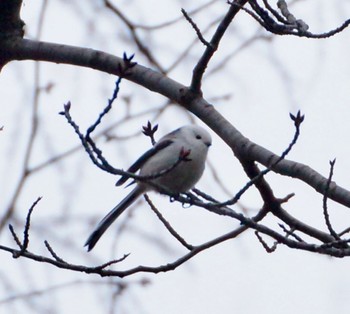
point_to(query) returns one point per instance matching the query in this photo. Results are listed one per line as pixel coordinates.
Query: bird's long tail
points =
(111, 216)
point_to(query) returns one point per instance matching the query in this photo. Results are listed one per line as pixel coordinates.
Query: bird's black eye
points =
(198, 137)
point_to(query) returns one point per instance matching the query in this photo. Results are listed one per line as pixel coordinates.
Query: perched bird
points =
(177, 177)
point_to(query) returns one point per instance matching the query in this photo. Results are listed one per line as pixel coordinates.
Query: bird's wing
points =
(147, 155)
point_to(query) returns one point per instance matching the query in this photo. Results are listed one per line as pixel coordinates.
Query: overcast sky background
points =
(263, 82)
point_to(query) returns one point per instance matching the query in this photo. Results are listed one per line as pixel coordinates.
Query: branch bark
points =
(242, 147)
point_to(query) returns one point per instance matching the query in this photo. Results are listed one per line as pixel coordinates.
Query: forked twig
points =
(325, 198)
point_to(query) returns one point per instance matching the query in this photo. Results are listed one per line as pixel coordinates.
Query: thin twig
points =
(274, 12)
(15, 237)
(106, 109)
(115, 261)
(325, 198)
(27, 225)
(267, 248)
(345, 231)
(290, 232)
(195, 27)
(298, 120)
(139, 43)
(207, 197)
(24, 245)
(203, 62)
(167, 224)
(53, 253)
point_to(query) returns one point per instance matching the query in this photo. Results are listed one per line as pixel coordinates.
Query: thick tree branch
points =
(13, 47)
(242, 147)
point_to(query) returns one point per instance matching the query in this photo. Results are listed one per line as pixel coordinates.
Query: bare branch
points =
(291, 232)
(196, 28)
(110, 263)
(138, 41)
(267, 248)
(167, 224)
(203, 62)
(298, 119)
(53, 253)
(24, 245)
(325, 197)
(286, 24)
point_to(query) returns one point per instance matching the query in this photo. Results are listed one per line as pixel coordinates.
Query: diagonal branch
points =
(167, 224)
(154, 81)
(325, 207)
(241, 146)
(203, 62)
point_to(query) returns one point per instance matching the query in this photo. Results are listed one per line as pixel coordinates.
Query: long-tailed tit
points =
(177, 177)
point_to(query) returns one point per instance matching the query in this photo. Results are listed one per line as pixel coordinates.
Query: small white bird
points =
(191, 139)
